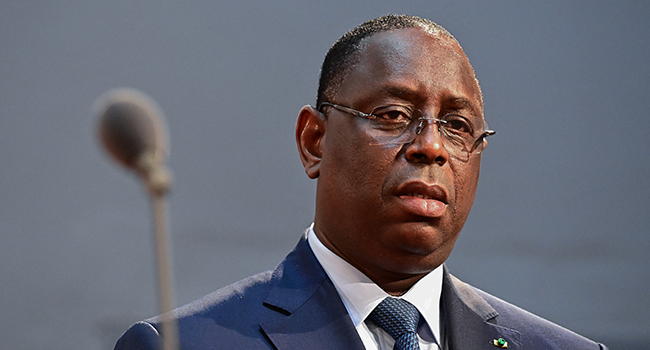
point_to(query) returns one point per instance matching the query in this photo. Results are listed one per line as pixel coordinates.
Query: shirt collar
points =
(361, 295)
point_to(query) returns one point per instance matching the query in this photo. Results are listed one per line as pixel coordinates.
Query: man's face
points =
(395, 211)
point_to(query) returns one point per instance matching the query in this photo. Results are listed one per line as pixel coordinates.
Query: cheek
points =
(358, 170)
(361, 169)
(465, 184)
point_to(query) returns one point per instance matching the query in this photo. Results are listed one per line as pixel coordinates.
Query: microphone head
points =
(131, 126)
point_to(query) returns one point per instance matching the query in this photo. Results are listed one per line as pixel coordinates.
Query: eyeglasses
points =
(398, 125)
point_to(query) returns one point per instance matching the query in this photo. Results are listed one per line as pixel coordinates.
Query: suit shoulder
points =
(228, 317)
(231, 317)
(534, 329)
(249, 291)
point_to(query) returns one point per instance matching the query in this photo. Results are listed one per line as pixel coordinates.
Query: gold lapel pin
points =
(500, 343)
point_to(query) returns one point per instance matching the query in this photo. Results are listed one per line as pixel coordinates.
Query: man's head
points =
(345, 52)
(393, 209)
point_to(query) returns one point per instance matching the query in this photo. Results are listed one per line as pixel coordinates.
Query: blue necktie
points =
(400, 319)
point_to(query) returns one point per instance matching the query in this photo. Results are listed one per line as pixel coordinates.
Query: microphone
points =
(132, 130)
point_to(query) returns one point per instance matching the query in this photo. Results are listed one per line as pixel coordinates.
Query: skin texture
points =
(365, 211)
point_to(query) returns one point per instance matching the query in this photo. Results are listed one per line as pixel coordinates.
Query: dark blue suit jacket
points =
(296, 306)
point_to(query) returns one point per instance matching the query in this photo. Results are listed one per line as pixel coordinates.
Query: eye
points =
(393, 115)
(458, 124)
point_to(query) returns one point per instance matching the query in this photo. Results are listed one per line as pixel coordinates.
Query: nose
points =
(427, 147)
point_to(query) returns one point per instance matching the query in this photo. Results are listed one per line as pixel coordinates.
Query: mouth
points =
(424, 200)
(420, 195)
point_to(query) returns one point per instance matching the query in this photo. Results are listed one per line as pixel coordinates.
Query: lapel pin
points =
(500, 343)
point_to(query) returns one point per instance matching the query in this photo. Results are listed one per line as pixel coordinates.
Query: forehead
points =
(412, 64)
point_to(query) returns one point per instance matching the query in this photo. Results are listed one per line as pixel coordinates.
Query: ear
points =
(310, 130)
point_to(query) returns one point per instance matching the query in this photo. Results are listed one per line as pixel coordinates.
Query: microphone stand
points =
(158, 182)
(132, 131)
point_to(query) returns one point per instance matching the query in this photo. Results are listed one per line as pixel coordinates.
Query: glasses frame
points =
(486, 128)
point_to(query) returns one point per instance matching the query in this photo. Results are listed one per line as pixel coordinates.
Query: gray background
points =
(559, 225)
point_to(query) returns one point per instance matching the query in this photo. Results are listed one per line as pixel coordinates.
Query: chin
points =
(422, 255)
(425, 238)
(416, 264)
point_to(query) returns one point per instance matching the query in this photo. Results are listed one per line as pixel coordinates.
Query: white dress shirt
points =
(361, 295)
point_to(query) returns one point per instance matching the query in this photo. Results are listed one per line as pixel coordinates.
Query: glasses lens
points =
(459, 132)
(461, 135)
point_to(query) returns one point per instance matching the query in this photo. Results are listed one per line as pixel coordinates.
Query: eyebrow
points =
(461, 102)
(405, 92)
(399, 91)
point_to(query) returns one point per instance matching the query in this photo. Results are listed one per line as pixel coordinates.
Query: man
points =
(395, 141)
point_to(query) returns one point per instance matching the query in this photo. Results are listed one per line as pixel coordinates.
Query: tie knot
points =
(397, 317)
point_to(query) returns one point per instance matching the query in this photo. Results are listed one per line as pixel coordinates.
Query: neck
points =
(395, 284)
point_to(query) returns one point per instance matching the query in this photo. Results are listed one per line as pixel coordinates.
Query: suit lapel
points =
(315, 317)
(470, 321)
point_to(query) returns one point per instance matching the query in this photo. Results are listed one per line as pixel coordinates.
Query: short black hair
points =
(345, 52)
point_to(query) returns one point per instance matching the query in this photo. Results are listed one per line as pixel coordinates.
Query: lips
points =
(422, 199)
(419, 195)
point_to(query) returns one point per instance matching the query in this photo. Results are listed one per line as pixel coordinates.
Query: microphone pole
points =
(132, 131)
(158, 184)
